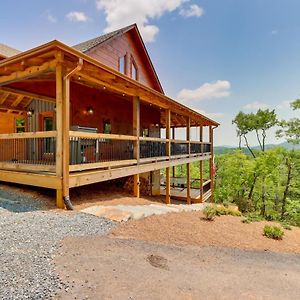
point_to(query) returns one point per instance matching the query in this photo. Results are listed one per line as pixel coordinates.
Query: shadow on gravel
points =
(17, 202)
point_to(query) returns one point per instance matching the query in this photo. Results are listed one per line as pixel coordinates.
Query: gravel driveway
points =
(29, 237)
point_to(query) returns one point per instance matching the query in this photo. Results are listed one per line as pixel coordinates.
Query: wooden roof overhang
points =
(21, 75)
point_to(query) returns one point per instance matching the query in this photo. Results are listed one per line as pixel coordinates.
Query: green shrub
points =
(273, 232)
(209, 213)
(286, 226)
(223, 211)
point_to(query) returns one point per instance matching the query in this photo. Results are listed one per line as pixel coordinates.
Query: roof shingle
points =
(87, 45)
(7, 51)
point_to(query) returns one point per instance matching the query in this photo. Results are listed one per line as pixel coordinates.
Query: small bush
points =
(273, 232)
(286, 226)
(209, 213)
(223, 211)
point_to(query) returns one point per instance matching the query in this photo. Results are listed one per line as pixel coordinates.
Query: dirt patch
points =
(158, 261)
(189, 229)
(106, 268)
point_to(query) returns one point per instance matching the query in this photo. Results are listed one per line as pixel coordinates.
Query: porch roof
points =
(39, 63)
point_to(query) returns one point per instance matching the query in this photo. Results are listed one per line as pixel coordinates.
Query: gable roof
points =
(87, 45)
(6, 51)
(100, 40)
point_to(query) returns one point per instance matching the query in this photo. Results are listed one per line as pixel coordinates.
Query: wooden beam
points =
(3, 99)
(136, 144)
(10, 108)
(17, 101)
(168, 153)
(211, 162)
(201, 164)
(173, 168)
(42, 180)
(28, 73)
(188, 166)
(89, 177)
(26, 93)
(59, 128)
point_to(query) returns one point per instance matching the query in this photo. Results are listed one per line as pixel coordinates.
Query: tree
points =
(291, 129)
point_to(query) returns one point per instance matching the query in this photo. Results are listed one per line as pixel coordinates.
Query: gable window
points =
(134, 70)
(122, 64)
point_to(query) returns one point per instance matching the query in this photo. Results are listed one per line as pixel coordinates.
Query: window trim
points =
(119, 64)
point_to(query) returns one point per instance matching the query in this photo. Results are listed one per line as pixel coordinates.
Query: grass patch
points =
(210, 212)
(273, 232)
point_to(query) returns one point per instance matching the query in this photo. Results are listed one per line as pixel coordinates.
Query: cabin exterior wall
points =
(124, 45)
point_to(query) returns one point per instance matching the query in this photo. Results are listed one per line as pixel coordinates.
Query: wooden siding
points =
(110, 52)
(7, 123)
(106, 106)
(38, 106)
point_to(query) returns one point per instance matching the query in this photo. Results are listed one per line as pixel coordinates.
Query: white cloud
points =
(51, 18)
(194, 10)
(256, 105)
(284, 104)
(217, 89)
(211, 115)
(120, 13)
(77, 16)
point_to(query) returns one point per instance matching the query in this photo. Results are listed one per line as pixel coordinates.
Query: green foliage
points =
(209, 213)
(286, 226)
(273, 232)
(291, 129)
(252, 217)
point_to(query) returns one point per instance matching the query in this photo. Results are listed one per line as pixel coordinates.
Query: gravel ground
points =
(29, 240)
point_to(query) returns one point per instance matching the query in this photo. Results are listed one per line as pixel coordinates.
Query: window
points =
(134, 71)
(20, 125)
(107, 127)
(122, 64)
(145, 132)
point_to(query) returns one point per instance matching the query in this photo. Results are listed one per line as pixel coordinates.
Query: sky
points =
(218, 57)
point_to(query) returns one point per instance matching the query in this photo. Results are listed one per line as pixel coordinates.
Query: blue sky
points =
(217, 56)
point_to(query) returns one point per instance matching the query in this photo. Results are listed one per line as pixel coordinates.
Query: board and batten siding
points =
(38, 106)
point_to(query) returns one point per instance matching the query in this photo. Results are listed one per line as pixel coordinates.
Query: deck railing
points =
(28, 150)
(36, 151)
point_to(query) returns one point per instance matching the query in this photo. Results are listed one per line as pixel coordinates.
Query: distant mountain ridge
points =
(226, 149)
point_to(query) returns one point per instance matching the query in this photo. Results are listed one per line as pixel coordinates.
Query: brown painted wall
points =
(107, 106)
(110, 52)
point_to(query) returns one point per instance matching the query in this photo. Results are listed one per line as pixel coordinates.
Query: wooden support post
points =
(66, 137)
(59, 129)
(168, 153)
(136, 144)
(173, 168)
(211, 163)
(201, 164)
(188, 166)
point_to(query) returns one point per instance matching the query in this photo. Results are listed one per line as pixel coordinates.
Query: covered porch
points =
(77, 122)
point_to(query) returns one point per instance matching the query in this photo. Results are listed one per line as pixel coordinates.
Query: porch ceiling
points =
(39, 64)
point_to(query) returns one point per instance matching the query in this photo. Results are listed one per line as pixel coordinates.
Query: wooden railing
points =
(32, 151)
(36, 151)
(97, 150)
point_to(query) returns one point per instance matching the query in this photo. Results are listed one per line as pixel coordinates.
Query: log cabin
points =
(94, 112)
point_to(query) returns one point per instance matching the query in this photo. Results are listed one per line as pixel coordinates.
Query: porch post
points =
(188, 166)
(173, 168)
(136, 144)
(168, 153)
(201, 163)
(59, 132)
(211, 162)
